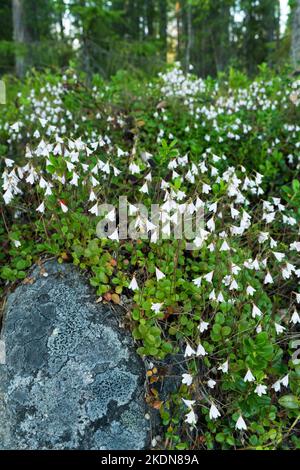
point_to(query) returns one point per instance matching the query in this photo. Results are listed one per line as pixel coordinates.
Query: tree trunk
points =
(223, 53)
(133, 13)
(295, 52)
(178, 30)
(150, 18)
(183, 35)
(189, 37)
(20, 36)
(163, 25)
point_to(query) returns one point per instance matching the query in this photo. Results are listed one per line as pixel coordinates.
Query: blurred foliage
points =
(100, 36)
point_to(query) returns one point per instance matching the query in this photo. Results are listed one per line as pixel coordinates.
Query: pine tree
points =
(6, 37)
(295, 50)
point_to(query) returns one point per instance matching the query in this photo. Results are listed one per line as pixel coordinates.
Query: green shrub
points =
(228, 306)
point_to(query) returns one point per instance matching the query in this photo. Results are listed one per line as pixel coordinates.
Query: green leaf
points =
(226, 330)
(296, 185)
(290, 402)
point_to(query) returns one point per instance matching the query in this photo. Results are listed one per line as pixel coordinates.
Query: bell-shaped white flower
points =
(256, 312)
(114, 236)
(189, 351)
(211, 383)
(144, 189)
(159, 274)
(268, 279)
(41, 208)
(187, 379)
(279, 328)
(261, 390)
(209, 276)
(94, 209)
(111, 216)
(133, 285)
(191, 418)
(285, 380)
(295, 318)
(156, 307)
(203, 326)
(240, 424)
(200, 351)
(249, 377)
(250, 290)
(224, 367)
(197, 281)
(225, 246)
(188, 403)
(277, 386)
(63, 206)
(214, 413)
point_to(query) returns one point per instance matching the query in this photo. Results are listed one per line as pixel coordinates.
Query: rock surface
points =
(72, 378)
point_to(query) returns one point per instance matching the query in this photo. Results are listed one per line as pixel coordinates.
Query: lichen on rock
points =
(72, 378)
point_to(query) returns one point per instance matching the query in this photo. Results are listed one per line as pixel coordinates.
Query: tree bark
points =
(163, 25)
(150, 18)
(189, 37)
(295, 51)
(20, 36)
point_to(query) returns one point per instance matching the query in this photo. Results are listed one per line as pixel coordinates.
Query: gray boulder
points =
(71, 378)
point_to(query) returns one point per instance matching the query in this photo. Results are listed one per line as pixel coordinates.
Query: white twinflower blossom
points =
(188, 403)
(261, 390)
(279, 328)
(240, 424)
(211, 383)
(156, 307)
(285, 380)
(214, 413)
(191, 418)
(187, 379)
(200, 351)
(189, 351)
(41, 208)
(133, 284)
(250, 290)
(249, 377)
(114, 236)
(159, 274)
(268, 279)
(209, 276)
(224, 367)
(256, 312)
(94, 210)
(277, 386)
(203, 326)
(295, 318)
(63, 206)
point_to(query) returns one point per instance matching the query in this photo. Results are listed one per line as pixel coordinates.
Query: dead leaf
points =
(295, 98)
(107, 296)
(115, 298)
(161, 104)
(157, 405)
(153, 380)
(154, 392)
(28, 280)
